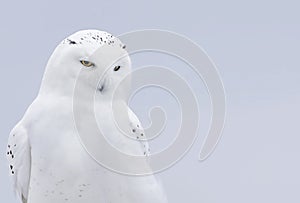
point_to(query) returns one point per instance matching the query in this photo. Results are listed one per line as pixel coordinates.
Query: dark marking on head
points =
(71, 41)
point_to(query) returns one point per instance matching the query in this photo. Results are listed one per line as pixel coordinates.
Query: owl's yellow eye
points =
(86, 63)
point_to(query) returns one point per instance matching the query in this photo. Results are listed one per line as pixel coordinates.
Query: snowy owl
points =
(47, 160)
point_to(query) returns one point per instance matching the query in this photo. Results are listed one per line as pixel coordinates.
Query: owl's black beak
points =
(101, 88)
(103, 84)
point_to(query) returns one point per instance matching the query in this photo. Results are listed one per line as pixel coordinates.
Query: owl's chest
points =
(60, 129)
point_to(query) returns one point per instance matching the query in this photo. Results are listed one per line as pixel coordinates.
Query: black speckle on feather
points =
(71, 41)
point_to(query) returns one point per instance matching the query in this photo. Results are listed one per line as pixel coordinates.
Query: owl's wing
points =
(19, 158)
(138, 131)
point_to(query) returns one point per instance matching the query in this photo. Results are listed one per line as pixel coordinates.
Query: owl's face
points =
(95, 59)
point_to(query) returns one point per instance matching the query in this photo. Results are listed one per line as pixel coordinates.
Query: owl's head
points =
(92, 59)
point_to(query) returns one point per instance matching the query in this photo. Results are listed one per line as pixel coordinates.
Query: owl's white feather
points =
(19, 158)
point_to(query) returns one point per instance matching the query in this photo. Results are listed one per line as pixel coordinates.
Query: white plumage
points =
(47, 160)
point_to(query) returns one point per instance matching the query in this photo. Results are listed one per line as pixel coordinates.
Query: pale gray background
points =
(255, 45)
